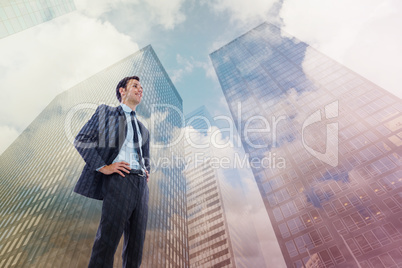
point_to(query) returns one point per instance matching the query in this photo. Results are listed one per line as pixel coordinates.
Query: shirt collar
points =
(125, 108)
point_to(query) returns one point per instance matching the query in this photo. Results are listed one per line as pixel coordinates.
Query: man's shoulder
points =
(142, 126)
(103, 108)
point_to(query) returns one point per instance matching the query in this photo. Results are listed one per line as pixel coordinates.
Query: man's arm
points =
(146, 154)
(87, 142)
(147, 165)
(117, 167)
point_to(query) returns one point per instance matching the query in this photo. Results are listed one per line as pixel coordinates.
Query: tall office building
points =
(221, 233)
(208, 235)
(325, 143)
(43, 223)
(18, 15)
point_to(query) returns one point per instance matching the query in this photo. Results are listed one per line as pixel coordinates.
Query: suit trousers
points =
(124, 210)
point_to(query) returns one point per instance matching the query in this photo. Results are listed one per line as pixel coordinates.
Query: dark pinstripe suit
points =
(125, 200)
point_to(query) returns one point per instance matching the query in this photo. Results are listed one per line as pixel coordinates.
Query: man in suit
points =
(115, 147)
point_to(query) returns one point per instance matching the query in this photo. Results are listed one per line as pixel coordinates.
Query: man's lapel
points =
(144, 133)
(122, 127)
(119, 130)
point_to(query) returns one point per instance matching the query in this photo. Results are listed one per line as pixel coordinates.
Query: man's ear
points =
(121, 90)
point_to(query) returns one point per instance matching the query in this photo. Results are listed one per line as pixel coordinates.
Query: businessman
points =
(115, 147)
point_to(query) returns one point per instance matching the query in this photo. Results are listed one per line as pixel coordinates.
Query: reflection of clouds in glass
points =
(326, 108)
(274, 79)
(328, 186)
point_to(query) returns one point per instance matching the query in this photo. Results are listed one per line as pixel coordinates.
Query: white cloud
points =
(244, 10)
(188, 65)
(209, 70)
(58, 55)
(360, 34)
(95, 8)
(167, 13)
(243, 16)
(7, 134)
(155, 12)
(217, 44)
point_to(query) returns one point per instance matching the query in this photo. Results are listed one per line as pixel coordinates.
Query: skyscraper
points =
(43, 223)
(209, 239)
(221, 231)
(326, 147)
(18, 15)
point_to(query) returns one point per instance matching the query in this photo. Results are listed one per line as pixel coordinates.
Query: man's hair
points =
(123, 83)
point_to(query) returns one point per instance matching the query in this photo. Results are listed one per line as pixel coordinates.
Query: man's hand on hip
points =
(118, 167)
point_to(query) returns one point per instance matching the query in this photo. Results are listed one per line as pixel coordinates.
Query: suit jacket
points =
(99, 142)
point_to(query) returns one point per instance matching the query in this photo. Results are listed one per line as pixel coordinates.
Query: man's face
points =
(133, 92)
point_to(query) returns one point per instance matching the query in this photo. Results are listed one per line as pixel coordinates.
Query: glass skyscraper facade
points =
(43, 223)
(325, 144)
(208, 235)
(18, 15)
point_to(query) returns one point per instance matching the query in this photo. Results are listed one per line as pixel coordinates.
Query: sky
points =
(47, 59)
(39, 63)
